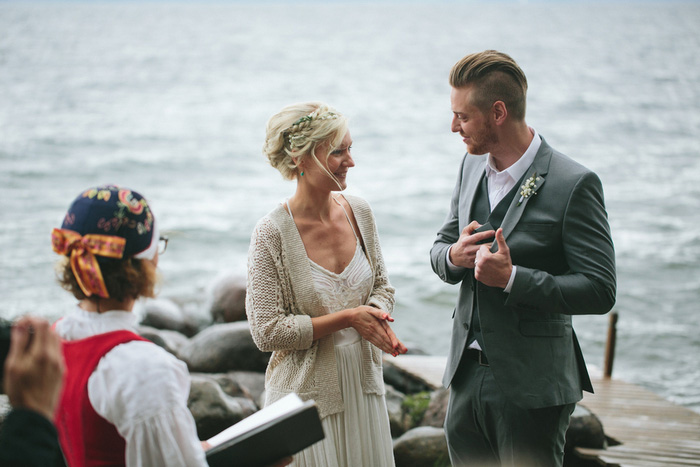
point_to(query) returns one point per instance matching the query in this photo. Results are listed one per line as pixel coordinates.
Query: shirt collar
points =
(517, 170)
(81, 324)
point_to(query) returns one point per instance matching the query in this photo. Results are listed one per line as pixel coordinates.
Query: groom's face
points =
(471, 123)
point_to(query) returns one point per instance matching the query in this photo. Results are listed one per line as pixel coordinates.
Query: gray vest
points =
(481, 212)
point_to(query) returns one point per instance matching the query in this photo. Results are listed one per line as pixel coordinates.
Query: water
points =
(171, 99)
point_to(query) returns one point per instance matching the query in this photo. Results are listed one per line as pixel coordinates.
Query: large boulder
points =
(424, 446)
(226, 301)
(394, 400)
(162, 313)
(401, 380)
(413, 408)
(212, 409)
(251, 382)
(172, 341)
(224, 347)
(248, 384)
(585, 430)
(437, 408)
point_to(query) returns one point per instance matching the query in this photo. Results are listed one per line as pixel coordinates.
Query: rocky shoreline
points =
(228, 380)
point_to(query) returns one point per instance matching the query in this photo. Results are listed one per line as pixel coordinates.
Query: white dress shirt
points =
(142, 390)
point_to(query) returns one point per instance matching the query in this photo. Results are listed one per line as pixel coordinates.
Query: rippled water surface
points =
(171, 99)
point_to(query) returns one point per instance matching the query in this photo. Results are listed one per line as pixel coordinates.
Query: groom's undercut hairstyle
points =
(496, 77)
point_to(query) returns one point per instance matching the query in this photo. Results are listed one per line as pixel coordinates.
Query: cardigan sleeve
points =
(273, 324)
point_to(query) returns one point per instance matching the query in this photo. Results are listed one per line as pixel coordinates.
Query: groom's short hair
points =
(496, 77)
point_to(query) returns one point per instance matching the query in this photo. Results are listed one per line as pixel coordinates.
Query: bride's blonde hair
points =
(294, 133)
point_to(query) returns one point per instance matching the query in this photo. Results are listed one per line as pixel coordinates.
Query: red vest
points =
(86, 438)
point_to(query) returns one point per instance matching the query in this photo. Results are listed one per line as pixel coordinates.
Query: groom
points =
(527, 236)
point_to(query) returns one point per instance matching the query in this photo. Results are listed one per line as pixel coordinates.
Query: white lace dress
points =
(359, 436)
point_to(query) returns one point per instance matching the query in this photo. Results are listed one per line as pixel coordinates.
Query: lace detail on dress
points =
(348, 289)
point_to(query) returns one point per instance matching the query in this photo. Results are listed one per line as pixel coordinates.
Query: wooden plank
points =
(652, 431)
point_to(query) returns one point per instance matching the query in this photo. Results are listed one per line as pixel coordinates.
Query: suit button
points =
(466, 326)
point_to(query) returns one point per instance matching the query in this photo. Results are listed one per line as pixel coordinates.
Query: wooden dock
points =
(650, 430)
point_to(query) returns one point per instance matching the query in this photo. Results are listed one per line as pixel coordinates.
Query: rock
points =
(172, 341)
(401, 380)
(212, 409)
(435, 415)
(585, 430)
(394, 399)
(424, 446)
(226, 302)
(162, 313)
(413, 408)
(252, 382)
(248, 384)
(224, 347)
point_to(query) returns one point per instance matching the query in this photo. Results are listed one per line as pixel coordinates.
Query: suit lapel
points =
(537, 173)
(474, 182)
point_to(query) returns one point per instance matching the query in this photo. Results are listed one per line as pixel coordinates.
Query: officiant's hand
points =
(33, 373)
(494, 269)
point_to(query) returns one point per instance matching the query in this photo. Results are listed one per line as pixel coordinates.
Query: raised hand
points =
(463, 252)
(34, 367)
(494, 269)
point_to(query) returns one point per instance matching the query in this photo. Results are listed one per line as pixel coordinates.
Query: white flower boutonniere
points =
(528, 188)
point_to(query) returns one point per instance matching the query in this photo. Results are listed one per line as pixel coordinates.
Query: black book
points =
(270, 434)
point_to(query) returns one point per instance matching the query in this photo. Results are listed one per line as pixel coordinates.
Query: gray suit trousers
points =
(484, 428)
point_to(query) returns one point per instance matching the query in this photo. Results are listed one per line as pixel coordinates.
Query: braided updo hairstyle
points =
(297, 130)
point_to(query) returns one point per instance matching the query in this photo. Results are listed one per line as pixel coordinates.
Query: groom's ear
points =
(499, 112)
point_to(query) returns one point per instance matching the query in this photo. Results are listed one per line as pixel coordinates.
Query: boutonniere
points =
(528, 188)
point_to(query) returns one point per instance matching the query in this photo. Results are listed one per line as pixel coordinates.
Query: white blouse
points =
(142, 390)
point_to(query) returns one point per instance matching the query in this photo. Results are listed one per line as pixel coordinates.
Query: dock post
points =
(610, 345)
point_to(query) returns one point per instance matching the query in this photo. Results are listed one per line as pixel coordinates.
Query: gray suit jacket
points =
(559, 239)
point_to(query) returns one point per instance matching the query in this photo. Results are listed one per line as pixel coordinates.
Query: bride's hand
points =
(372, 324)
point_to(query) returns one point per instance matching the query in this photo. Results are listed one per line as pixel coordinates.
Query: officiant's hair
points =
(496, 77)
(295, 132)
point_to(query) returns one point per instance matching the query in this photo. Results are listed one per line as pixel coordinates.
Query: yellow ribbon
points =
(82, 250)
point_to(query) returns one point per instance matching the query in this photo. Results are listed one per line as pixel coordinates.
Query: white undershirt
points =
(141, 389)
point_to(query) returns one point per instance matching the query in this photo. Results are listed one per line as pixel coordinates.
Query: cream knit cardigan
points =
(281, 300)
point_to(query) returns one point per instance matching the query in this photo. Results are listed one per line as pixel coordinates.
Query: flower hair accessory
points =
(528, 188)
(296, 133)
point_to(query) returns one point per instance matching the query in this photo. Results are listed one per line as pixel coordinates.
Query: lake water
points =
(171, 99)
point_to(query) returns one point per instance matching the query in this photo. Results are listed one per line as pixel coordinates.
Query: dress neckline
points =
(358, 245)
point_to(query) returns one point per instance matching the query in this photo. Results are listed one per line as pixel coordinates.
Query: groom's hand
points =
(493, 269)
(463, 252)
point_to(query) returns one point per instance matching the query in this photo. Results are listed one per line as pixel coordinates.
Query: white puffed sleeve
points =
(143, 390)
